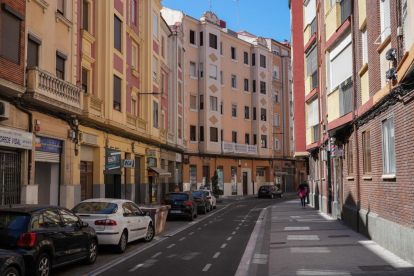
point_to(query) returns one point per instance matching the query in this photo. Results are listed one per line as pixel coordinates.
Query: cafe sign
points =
(15, 138)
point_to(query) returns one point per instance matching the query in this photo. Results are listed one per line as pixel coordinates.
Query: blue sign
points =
(48, 145)
(112, 161)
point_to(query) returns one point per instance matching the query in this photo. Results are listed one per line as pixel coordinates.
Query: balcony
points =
(238, 148)
(170, 137)
(46, 90)
(163, 134)
(333, 20)
(93, 107)
(136, 123)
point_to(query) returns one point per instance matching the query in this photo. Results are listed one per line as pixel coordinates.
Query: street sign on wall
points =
(129, 163)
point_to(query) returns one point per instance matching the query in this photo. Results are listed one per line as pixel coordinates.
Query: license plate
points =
(263, 192)
(175, 211)
(99, 227)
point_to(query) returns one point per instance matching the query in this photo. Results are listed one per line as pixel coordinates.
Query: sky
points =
(267, 18)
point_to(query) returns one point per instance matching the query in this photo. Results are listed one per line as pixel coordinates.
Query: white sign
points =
(15, 138)
(178, 157)
(129, 163)
(152, 153)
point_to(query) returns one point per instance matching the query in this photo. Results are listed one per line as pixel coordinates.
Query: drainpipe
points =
(356, 146)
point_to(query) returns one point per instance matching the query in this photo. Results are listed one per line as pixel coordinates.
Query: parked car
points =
(46, 236)
(116, 221)
(11, 263)
(211, 198)
(203, 203)
(182, 205)
(269, 191)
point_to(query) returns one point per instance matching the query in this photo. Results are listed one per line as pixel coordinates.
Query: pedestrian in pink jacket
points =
(302, 195)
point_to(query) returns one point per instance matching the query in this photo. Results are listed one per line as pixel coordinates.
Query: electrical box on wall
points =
(4, 110)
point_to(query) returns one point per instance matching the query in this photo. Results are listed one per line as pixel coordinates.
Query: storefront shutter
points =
(49, 157)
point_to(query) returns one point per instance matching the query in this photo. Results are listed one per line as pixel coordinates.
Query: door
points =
(10, 167)
(206, 173)
(137, 179)
(79, 237)
(141, 222)
(129, 221)
(244, 183)
(86, 179)
(260, 177)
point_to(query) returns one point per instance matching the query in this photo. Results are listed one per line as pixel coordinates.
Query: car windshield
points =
(176, 197)
(14, 221)
(197, 194)
(264, 188)
(207, 193)
(95, 208)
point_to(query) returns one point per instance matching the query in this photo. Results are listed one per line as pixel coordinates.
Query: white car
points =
(116, 221)
(211, 198)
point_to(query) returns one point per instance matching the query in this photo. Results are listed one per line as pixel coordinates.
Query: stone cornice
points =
(64, 20)
(134, 35)
(88, 36)
(41, 3)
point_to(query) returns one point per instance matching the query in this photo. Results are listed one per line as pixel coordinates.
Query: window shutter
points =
(85, 16)
(310, 12)
(10, 37)
(32, 53)
(341, 67)
(60, 64)
(61, 6)
(312, 62)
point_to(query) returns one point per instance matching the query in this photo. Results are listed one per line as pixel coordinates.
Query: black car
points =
(269, 191)
(182, 205)
(46, 236)
(11, 263)
(203, 203)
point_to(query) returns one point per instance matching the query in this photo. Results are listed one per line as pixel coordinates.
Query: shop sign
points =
(15, 138)
(112, 161)
(152, 153)
(48, 145)
(178, 157)
(129, 163)
(152, 162)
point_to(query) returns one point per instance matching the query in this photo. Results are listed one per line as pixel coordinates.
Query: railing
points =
(238, 148)
(45, 88)
(163, 134)
(136, 123)
(170, 137)
(345, 10)
(315, 133)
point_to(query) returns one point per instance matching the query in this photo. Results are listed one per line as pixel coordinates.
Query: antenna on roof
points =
(238, 14)
(211, 8)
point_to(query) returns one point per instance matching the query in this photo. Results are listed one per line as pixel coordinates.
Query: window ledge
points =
(246, 91)
(88, 36)
(135, 73)
(193, 45)
(193, 142)
(247, 65)
(247, 119)
(366, 177)
(388, 176)
(235, 60)
(194, 78)
(43, 4)
(384, 44)
(235, 89)
(350, 178)
(164, 95)
(222, 85)
(64, 20)
(192, 109)
(234, 117)
(363, 70)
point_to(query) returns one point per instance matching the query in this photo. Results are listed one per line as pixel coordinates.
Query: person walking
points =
(302, 196)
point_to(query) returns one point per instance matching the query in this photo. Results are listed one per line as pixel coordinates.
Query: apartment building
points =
(232, 122)
(357, 68)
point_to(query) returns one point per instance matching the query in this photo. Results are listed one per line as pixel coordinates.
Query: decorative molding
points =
(164, 96)
(134, 35)
(41, 3)
(64, 20)
(88, 36)
(135, 72)
(87, 57)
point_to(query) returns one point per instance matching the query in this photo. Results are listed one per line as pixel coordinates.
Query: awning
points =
(160, 172)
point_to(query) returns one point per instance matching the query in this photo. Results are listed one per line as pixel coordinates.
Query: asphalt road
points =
(214, 244)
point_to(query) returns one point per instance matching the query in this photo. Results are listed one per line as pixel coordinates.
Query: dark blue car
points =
(11, 263)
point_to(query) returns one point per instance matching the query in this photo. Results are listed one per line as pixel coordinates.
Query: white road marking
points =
(182, 239)
(229, 238)
(191, 233)
(206, 267)
(237, 228)
(216, 255)
(233, 233)
(172, 256)
(199, 228)
(205, 225)
(171, 245)
(156, 255)
(136, 267)
(224, 245)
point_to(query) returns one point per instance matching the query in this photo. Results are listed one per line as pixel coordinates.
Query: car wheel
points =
(211, 207)
(271, 196)
(11, 271)
(120, 248)
(205, 210)
(215, 206)
(192, 217)
(43, 265)
(150, 233)
(92, 252)
(196, 213)
(281, 195)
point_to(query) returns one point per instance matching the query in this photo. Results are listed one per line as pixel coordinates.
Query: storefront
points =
(113, 173)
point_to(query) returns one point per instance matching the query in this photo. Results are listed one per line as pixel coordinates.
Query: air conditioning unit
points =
(276, 52)
(4, 110)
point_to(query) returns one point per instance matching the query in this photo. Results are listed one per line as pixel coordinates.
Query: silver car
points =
(211, 198)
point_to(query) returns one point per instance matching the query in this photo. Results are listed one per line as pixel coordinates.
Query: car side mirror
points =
(147, 214)
(84, 224)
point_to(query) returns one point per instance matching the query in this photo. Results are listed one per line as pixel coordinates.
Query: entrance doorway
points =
(206, 174)
(260, 177)
(10, 166)
(113, 186)
(244, 183)
(137, 180)
(86, 179)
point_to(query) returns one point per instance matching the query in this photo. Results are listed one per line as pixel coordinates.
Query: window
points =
(254, 139)
(32, 51)
(180, 100)
(154, 25)
(254, 86)
(277, 144)
(192, 37)
(254, 113)
(193, 102)
(162, 86)
(221, 78)
(233, 81)
(246, 58)
(179, 128)
(234, 137)
(262, 61)
(193, 133)
(201, 70)
(201, 38)
(276, 120)
(350, 157)
(366, 149)
(213, 72)
(117, 33)
(222, 135)
(263, 114)
(163, 46)
(193, 175)
(134, 107)
(85, 15)
(221, 108)
(154, 68)
(179, 57)
(276, 72)
(247, 139)
(364, 39)
(276, 97)
(263, 87)
(247, 113)
(246, 85)
(213, 134)
(61, 7)
(201, 134)
(85, 80)
(134, 58)
(263, 142)
(221, 48)
(133, 7)
(385, 19)
(213, 103)
(117, 93)
(407, 38)
(51, 219)
(312, 62)
(233, 53)
(213, 41)
(60, 65)
(253, 59)
(193, 72)
(201, 102)
(388, 147)
(234, 110)
(155, 114)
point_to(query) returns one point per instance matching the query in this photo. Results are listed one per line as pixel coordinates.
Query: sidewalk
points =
(296, 241)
